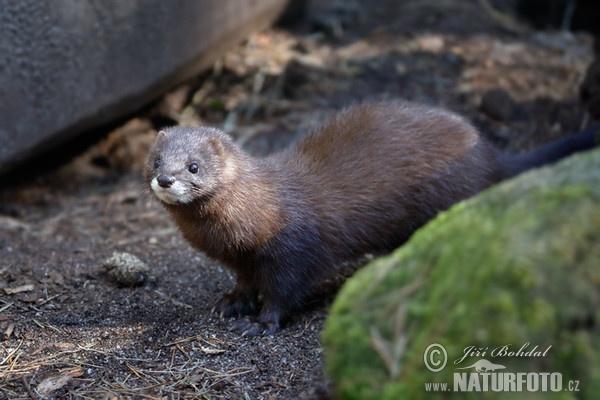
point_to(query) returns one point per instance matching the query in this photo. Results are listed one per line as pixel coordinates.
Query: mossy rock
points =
(517, 264)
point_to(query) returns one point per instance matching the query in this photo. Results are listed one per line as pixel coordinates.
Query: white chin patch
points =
(176, 194)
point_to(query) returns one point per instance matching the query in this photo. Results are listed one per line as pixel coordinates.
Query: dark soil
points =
(68, 331)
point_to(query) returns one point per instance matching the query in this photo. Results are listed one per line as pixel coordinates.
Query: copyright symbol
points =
(434, 356)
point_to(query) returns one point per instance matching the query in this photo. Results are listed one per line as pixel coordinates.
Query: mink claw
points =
(245, 327)
(221, 312)
(253, 331)
(252, 327)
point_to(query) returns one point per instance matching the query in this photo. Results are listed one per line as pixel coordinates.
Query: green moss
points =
(516, 264)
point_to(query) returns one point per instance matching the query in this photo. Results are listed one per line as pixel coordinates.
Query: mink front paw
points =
(235, 305)
(249, 326)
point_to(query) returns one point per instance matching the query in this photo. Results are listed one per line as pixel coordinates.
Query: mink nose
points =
(165, 181)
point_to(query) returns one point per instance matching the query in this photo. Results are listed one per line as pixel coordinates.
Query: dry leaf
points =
(51, 384)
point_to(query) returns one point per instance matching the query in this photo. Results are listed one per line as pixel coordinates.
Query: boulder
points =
(513, 268)
(69, 65)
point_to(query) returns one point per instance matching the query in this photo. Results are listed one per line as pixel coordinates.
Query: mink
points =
(361, 183)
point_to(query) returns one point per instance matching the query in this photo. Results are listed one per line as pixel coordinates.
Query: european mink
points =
(361, 183)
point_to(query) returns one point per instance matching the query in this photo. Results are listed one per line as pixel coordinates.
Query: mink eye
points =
(157, 163)
(193, 168)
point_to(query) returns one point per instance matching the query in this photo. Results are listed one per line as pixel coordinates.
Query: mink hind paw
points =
(249, 326)
(235, 305)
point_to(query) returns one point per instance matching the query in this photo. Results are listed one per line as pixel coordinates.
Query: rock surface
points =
(517, 264)
(68, 65)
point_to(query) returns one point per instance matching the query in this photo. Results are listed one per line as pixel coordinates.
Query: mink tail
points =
(515, 163)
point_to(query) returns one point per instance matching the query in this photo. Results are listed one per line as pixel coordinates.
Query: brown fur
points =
(363, 182)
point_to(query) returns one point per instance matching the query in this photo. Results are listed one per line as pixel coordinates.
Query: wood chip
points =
(19, 289)
(9, 331)
(210, 350)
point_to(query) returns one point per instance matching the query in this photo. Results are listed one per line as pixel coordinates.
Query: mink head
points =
(188, 164)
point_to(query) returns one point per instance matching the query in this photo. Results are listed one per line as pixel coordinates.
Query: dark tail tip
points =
(513, 164)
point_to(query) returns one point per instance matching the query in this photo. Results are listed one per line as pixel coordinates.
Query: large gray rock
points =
(68, 65)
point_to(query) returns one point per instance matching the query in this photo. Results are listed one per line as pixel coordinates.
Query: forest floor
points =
(68, 331)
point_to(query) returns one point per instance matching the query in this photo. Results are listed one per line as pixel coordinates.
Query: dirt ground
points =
(69, 331)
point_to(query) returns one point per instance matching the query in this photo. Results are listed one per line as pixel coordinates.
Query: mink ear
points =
(217, 146)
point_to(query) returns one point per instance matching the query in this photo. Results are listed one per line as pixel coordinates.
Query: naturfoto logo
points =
(484, 375)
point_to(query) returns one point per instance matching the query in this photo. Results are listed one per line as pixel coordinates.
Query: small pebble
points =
(126, 269)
